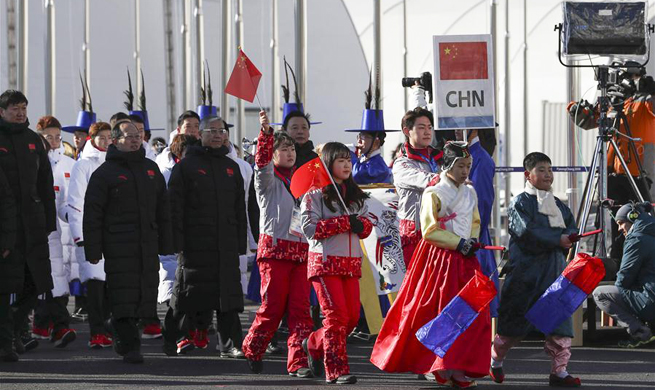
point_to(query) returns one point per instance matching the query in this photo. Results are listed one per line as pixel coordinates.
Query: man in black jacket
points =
(127, 219)
(26, 270)
(209, 229)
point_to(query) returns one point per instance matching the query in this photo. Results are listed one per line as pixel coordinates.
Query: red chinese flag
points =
(244, 79)
(463, 60)
(309, 176)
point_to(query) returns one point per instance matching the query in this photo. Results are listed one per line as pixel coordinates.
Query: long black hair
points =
(329, 154)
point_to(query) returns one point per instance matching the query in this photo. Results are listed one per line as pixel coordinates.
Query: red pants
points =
(409, 239)
(284, 289)
(409, 244)
(339, 299)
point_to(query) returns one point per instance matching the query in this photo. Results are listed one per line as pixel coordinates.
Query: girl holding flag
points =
(443, 263)
(281, 255)
(334, 219)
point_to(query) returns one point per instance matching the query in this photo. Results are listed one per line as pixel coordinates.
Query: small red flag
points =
(309, 176)
(463, 60)
(244, 79)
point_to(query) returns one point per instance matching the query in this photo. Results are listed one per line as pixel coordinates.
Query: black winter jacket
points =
(127, 219)
(7, 216)
(305, 153)
(25, 163)
(209, 227)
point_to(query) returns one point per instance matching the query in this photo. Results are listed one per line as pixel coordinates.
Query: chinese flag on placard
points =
(244, 79)
(309, 176)
(463, 60)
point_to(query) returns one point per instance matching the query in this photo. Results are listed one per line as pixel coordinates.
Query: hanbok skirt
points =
(434, 279)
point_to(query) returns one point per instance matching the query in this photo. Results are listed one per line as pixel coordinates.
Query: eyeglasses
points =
(53, 137)
(216, 131)
(133, 136)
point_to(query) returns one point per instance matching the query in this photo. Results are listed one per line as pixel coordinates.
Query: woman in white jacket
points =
(53, 310)
(93, 155)
(169, 262)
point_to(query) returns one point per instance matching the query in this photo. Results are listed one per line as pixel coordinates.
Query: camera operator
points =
(633, 91)
(631, 300)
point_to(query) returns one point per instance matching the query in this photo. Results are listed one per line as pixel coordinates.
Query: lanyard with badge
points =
(295, 226)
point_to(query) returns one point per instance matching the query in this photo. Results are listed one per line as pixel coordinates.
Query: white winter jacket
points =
(246, 173)
(60, 241)
(165, 162)
(150, 154)
(89, 161)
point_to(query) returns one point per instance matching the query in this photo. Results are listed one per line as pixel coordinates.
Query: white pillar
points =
(226, 16)
(50, 55)
(300, 33)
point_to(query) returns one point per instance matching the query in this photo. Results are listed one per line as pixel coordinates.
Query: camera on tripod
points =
(628, 79)
(424, 81)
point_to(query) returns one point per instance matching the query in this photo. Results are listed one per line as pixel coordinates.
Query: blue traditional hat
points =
(84, 120)
(372, 122)
(206, 107)
(129, 103)
(372, 119)
(288, 108)
(86, 117)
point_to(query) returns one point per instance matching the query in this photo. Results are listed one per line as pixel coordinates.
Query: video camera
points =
(424, 81)
(623, 84)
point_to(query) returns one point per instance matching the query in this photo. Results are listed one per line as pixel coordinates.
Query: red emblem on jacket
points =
(67, 175)
(122, 177)
(230, 172)
(202, 171)
(56, 188)
(31, 146)
(151, 173)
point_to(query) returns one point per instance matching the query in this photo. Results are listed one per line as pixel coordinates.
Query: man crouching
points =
(127, 219)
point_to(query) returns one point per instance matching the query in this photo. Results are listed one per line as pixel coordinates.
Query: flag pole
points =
(334, 184)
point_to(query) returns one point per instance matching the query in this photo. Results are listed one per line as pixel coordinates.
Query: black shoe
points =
(170, 349)
(274, 350)
(18, 345)
(256, 366)
(569, 381)
(8, 355)
(302, 373)
(133, 357)
(497, 374)
(233, 353)
(316, 366)
(29, 343)
(344, 380)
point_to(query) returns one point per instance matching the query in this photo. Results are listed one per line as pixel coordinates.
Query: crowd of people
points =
(123, 226)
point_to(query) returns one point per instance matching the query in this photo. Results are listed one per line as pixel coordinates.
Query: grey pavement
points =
(78, 367)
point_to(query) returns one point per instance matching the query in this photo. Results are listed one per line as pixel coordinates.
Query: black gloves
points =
(467, 247)
(356, 226)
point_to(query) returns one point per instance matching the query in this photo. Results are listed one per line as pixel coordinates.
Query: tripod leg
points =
(631, 180)
(587, 198)
(633, 151)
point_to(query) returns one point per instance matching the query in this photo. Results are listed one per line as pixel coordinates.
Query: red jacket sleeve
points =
(331, 227)
(264, 153)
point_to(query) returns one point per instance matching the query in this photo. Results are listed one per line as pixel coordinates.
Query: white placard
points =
(463, 82)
